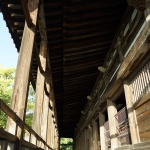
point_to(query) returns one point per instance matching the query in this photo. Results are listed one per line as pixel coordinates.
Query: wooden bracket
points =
(102, 69)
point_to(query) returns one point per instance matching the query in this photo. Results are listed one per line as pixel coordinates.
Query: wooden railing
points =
(107, 134)
(13, 138)
(141, 82)
(130, 28)
(123, 127)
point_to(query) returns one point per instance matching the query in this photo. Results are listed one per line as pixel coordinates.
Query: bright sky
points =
(8, 51)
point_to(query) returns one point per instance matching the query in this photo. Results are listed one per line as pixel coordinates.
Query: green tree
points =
(66, 143)
(6, 85)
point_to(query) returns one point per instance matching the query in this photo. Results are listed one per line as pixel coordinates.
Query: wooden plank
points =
(6, 135)
(145, 136)
(28, 144)
(20, 90)
(145, 106)
(144, 126)
(39, 91)
(142, 117)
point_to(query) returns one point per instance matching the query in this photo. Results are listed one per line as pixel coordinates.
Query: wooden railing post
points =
(20, 90)
(95, 135)
(45, 108)
(102, 131)
(112, 111)
(131, 113)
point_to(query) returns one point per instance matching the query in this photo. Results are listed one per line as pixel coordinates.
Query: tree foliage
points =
(66, 144)
(6, 85)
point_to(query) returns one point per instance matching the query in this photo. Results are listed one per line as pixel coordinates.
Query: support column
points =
(49, 128)
(102, 131)
(45, 108)
(131, 114)
(95, 135)
(21, 85)
(86, 139)
(112, 111)
(90, 138)
(37, 116)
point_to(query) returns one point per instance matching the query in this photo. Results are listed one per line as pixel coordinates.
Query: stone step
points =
(126, 147)
(143, 144)
(142, 148)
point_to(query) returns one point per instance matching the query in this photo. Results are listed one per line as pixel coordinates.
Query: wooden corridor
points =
(89, 64)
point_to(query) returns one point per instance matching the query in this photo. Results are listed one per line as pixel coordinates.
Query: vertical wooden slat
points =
(136, 89)
(146, 79)
(20, 90)
(148, 71)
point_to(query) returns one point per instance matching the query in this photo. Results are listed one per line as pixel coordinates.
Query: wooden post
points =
(131, 114)
(90, 138)
(112, 111)
(102, 131)
(45, 108)
(49, 127)
(20, 90)
(95, 135)
(86, 139)
(39, 91)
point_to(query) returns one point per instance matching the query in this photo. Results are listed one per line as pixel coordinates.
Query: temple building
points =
(89, 64)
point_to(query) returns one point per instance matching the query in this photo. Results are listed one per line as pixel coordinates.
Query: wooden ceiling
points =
(80, 33)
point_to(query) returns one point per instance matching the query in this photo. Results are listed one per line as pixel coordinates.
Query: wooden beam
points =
(20, 90)
(26, 12)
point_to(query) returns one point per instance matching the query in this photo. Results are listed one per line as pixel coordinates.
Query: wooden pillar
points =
(112, 111)
(102, 131)
(86, 139)
(45, 108)
(21, 85)
(95, 135)
(131, 114)
(90, 138)
(49, 127)
(37, 116)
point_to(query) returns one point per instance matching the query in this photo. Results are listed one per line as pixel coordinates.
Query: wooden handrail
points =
(8, 111)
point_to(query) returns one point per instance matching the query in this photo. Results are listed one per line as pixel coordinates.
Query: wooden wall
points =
(143, 120)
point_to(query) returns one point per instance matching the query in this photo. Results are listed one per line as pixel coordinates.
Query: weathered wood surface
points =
(45, 109)
(14, 117)
(131, 113)
(102, 131)
(143, 120)
(95, 135)
(20, 90)
(112, 111)
(37, 116)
